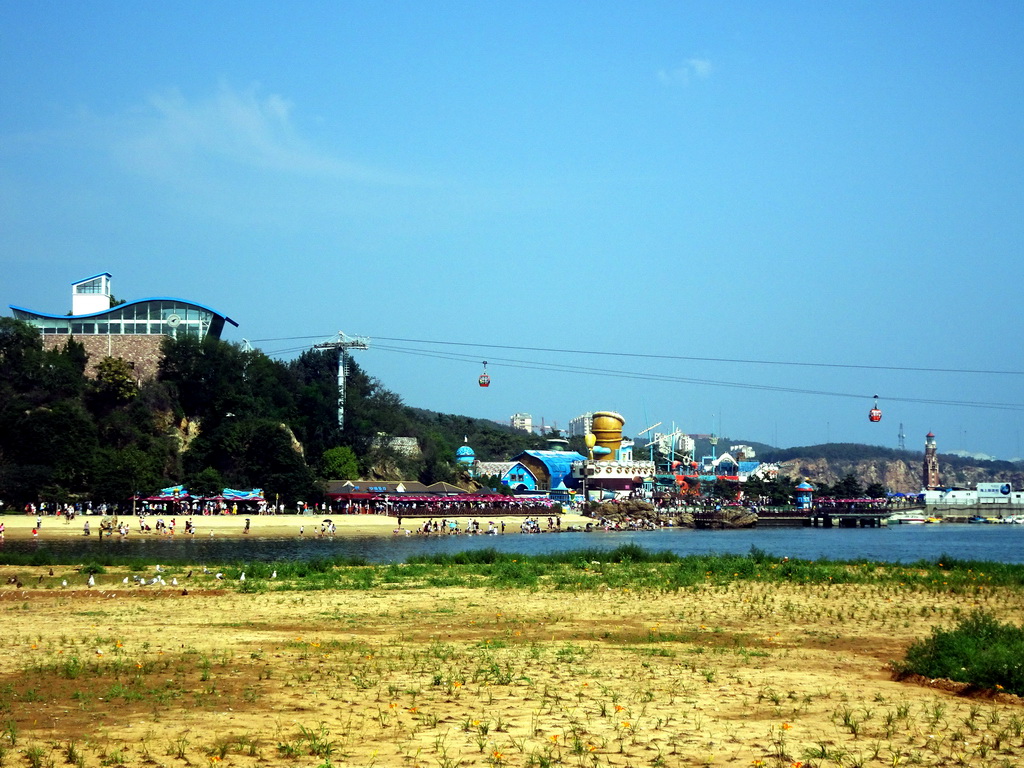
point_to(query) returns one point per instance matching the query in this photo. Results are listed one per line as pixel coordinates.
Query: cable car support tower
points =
(343, 344)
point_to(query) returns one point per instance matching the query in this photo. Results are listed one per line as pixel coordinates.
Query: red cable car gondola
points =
(875, 414)
(485, 380)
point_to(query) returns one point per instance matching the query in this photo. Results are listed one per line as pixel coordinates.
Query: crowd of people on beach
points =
(474, 527)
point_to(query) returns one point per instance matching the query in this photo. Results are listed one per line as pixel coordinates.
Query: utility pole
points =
(343, 344)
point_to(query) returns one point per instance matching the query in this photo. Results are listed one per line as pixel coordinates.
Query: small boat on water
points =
(907, 518)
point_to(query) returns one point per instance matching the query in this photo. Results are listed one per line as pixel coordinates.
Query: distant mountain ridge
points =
(899, 471)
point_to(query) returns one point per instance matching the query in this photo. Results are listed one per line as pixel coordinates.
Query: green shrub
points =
(979, 651)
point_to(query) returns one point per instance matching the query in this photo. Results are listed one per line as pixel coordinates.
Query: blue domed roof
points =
(465, 455)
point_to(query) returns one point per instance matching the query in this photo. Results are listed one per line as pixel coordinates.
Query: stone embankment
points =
(644, 515)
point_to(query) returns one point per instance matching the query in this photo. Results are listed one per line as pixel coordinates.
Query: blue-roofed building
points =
(514, 474)
(551, 468)
(804, 495)
(746, 469)
(465, 456)
(132, 330)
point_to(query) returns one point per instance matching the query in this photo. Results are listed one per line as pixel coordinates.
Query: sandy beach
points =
(20, 526)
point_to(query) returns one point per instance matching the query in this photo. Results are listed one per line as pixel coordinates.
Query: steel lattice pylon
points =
(343, 344)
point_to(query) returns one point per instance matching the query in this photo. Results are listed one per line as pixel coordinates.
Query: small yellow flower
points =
(626, 724)
(554, 738)
(786, 726)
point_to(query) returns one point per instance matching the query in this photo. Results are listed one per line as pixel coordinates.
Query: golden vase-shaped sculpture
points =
(607, 429)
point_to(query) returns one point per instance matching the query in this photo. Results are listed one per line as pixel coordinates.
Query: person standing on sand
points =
(85, 528)
(247, 522)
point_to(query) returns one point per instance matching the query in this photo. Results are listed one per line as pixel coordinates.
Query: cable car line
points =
(564, 368)
(671, 357)
(701, 359)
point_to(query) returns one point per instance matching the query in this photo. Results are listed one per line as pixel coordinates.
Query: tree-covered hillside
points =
(216, 416)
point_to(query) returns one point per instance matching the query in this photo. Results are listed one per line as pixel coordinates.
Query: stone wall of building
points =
(142, 352)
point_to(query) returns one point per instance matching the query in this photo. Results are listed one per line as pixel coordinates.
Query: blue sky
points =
(814, 183)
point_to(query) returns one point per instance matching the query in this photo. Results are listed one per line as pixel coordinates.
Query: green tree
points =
(848, 488)
(115, 381)
(339, 463)
(875, 491)
(207, 482)
(123, 472)
(775, 492)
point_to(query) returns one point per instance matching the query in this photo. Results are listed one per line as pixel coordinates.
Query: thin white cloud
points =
(173, 136)
(691, 69)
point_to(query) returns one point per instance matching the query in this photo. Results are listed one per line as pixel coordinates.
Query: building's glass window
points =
(96, 285)
(115, 328)
(76, 327)
(102, 327)
(88, 328)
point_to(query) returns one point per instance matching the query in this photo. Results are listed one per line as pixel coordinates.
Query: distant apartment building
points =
(522, 421)
(581, 425)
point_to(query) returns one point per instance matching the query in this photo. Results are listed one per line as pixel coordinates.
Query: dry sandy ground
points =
(21, 526)
(735, 675)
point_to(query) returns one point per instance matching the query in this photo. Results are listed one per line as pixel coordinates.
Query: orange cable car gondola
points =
(484, 380)
(875, 414)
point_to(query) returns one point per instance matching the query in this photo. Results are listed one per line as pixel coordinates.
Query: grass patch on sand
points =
(625, 567)
(979, 650)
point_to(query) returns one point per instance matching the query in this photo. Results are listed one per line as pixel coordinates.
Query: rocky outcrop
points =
(678, 517)
(898, 476)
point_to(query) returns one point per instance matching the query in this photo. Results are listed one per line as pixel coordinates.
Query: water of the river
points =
(897, 543)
